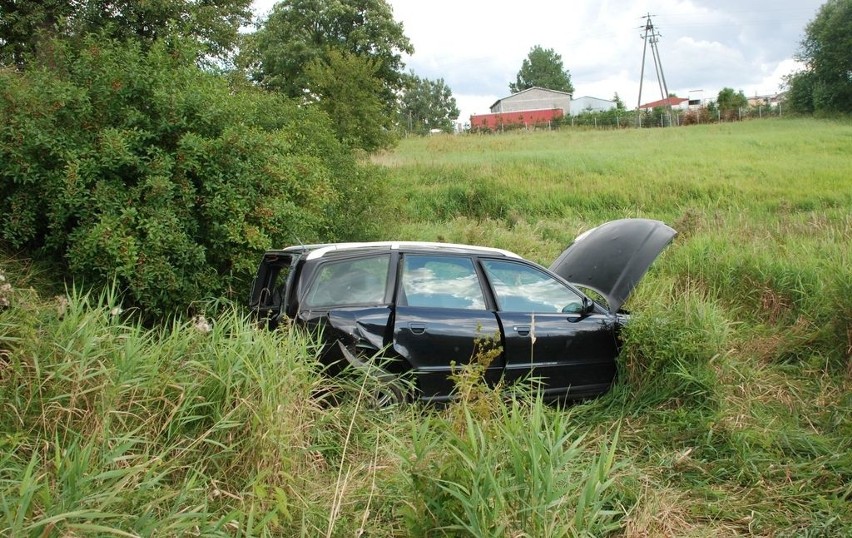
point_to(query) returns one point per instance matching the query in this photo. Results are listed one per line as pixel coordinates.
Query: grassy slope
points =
(733, 416)
(563, 182)
(738, 406)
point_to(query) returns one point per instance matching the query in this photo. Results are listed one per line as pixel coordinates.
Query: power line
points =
(652, 36)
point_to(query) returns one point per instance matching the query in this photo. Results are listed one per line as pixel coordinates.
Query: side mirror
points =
(583, 308)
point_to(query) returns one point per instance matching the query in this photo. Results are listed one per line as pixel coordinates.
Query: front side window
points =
(350, 282)
(522, 288)
(440, 282)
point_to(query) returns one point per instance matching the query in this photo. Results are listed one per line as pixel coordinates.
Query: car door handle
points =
(417, 328)
(523, 330)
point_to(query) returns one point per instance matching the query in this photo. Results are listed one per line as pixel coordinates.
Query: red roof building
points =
(673, 101)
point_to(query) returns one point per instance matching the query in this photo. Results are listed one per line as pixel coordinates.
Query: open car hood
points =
(612, 258)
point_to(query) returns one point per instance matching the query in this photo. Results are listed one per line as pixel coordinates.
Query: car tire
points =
(384, 393)
(383, 388)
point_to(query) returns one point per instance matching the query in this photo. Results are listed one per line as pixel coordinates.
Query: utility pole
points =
(652, 36)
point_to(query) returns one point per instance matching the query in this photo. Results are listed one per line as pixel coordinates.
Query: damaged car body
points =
(422, 307)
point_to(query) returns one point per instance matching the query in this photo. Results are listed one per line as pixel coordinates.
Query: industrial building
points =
(535, 107)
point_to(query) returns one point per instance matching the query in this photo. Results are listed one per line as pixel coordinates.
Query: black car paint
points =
(571, 354)
(570, 350)
(431, 338)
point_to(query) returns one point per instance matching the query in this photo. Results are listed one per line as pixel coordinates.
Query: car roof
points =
(317, 251)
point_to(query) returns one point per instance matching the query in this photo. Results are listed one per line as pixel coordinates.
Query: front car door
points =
(441, 311)
(550, 332)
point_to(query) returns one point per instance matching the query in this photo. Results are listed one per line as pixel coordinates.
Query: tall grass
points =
(735, 378)
(109, 427)
(732, 413)
(526, 471)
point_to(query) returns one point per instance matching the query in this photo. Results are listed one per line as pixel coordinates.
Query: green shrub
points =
(669, 347)
(138, 166)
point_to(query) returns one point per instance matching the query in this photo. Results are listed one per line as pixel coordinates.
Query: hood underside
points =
(612, 258)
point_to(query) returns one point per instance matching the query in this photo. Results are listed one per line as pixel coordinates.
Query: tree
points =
(134, 166)
(619, 104)
(826, 50)
(24, 24)
(542, 68)
(800, 92)
(299, 32)
(729, 100)
(349, 89)
(428, 104)
(295, 50)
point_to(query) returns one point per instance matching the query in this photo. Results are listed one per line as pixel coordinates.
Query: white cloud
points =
(477, 46)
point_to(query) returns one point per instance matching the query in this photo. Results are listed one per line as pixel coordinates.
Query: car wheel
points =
(383, 388)
(384, 393)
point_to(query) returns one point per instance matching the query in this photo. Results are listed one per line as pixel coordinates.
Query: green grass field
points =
(732, 414)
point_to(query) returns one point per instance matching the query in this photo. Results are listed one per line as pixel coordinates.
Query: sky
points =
(478, 46)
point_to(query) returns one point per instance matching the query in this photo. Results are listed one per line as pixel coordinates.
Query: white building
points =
(536, 98)
(590, 104)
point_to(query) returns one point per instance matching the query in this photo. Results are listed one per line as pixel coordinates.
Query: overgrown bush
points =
(699, 115)
(669, 347)
(133, 165)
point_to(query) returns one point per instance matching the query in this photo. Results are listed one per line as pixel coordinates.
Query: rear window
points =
(270, 285)
(350, 282)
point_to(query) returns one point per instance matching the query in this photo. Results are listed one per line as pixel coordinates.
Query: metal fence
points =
(632, 119)
(668, 118)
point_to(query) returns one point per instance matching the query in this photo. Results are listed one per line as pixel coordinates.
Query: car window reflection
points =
(350, 282)
(522, 288)
(441, 282)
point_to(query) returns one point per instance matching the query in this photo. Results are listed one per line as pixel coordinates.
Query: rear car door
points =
(550, 332)
(347, 299)
(271, 285)
(441, 311)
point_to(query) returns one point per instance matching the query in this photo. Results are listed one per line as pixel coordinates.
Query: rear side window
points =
(350, 282)
(440, 282)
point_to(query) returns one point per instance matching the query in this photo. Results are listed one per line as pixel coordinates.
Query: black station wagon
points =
(418, 308)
